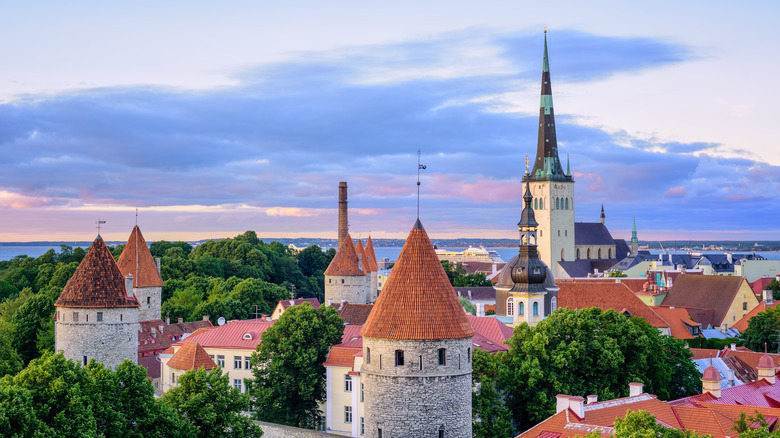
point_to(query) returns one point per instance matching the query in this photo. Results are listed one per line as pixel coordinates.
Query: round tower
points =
(97, 314)
(136, 260)
(373, 271)
(345, 279)
(417, 351)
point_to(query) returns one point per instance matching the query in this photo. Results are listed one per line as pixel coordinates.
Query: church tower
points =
(417, 351)
(136, 260)
(634, 240)
(552, 189)
(97, 314)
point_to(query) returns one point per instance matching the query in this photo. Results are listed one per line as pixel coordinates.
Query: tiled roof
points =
(477, 292)
(759, 393)
(138, 261)
(191, 356)
(418, 302)
(231, 335)
(704, 353)
(355, 314)
(352, 337)
(592, 233)
(370, 252)
(490, 328)
(345, 262)
(152, 365)
(340, 356)
(97, 282)
(605, 295)
(170, 333)
(749, 357)
(634, 284)
(742, 324)
(704, 292)
(760, 285)
(298, 301)
(743, 373)
(365, 263)
(677, 318)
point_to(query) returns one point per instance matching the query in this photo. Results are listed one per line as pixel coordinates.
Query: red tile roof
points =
(162, 339)
(352, 337)
(418, 302)
(191, 356)
(743, 322)
(606, 295)
(704, 353)
(152, 365)
(760, 285)
(365, 263)
(678, 320)
(298, 301)
(634, 284)
(231, 335)
(97, 282)
(704, 292)
(749, 357)
(355, 314)
(370, 253)
(490, 328)
(340, 356)
(345, 262)
(138, 261)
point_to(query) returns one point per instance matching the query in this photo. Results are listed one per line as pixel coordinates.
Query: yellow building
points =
(344, 386)
(712, 300)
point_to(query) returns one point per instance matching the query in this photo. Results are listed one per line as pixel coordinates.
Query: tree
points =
(641, 424)
(32, 316)
(617, 273)
(206, 400)
(467, 306)
(289, 376)
(762, 328)
(491, 416)
(10, 361)
(744, 429)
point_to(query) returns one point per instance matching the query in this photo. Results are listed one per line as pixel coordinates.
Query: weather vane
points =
(526, 164)
(99, 223)
(419, 167)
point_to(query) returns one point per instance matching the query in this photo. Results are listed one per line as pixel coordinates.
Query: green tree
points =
(10, 361)
(289, 376)
(744, 429)
(34, 315)
(641, 424)
(762, 329)
(467, 306)
(492, 418)
(206, 400)
(313, 261)
(616, 273)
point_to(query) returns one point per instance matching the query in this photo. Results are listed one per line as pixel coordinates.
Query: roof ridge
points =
(345, 262)
(136, 259)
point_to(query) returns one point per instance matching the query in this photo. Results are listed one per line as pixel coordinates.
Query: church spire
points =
(634, 240)
(603, 216)
(547, 165)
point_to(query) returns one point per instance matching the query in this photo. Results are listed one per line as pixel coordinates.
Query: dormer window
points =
(247, 336)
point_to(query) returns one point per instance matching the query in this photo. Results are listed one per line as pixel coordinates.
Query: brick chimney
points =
(129, 285)
(576, 404)
(343, 219)
(205, 317)
(181, 320)
(592, 399)
(635, 389)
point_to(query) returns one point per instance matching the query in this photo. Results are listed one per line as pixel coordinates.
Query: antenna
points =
(136, 215)
(526, 164)
(419, 167)
(99, 223)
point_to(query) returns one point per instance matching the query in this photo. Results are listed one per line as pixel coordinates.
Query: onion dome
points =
(136, 260)
(97, 282)
(418, 301)
(191, 356)
(345, 262)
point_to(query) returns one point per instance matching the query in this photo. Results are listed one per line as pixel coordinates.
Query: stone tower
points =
(136, 260)
(417, 351)
(374, 269)
(97, 314)
(526, 288)
(345, 279)
(634, 240)
(551, 188)
(343, 212)
(369, 267)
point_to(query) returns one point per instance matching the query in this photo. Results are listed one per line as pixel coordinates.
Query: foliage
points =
(467, 306)
(763, 328)
(207, 401)
(10, 361)
(744, 429)
(492, 418)
(641, 424)
(617, 273)
(289, 376)
(459, 278)
(713, 343)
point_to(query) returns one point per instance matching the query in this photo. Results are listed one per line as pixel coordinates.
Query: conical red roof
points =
(417, 301)
(361, 252)
(97, 282)
(345, 262)
(370, 253)
(191, 356)
(138, 261)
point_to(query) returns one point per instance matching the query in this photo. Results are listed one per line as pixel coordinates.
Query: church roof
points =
(345, 262)
(191, 356)
(592, 233)
(370, 253)
(97, 282)
(418, 302)
(137, 261)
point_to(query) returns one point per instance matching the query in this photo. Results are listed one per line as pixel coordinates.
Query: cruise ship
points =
(471, 254)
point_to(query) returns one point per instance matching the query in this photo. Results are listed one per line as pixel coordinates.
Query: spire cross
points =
(419, 167)
(99, 223)
(526, 164)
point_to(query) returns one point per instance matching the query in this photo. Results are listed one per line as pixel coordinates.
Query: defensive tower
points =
(345, 278)
(136, 260)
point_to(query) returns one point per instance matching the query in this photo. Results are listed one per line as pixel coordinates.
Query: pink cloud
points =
(482, 190)
(675, 192)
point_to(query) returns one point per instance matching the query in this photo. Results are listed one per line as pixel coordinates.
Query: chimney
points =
(592, 399)
(733, 347)
(154, 332)
(129, 285)
(205, 317)
(724, 328)
(157, 262)
(635, 389)
(768, 298)
(343, 220)
(493, 270)
(479, 307)
(167, 319)
(561, 402)
(577, 404)
(181, 320)
(469, 294)
(729, 258)
(731, 378)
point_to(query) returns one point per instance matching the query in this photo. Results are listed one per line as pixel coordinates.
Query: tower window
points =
(85, 360)
(368, 355)
(86, 315)
(536, 309)
(567, 203)
(100, 316)
(120, 317)
(510, 307)
(536, 203)
(421, 362)
(521, 308)
(442, 356)
(342, 281)
(399, 358)
(76, 317)
(559, 233)
(441, 431)
(468, 354)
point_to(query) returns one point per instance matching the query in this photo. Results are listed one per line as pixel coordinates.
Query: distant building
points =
(283, 305)
(712, 301)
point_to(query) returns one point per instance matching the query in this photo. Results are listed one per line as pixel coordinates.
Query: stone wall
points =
(271, 430)
(110, 341)
(150, 299)
(351, 288)
(420, 396)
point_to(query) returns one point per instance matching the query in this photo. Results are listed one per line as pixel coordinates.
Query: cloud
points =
(675, 192)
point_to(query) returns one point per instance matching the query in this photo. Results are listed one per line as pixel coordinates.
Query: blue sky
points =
(214, 119)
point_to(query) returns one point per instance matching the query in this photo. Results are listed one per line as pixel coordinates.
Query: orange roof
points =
(715, 292)
(345, 262)
(341, 356)
(191, 356)
(365, 264)
(704, 353)
(138, 261)
(418, 302)
(606, 295)
(701, 421)
(97, 282)
(742, 324)
(370, 253)
(749, 357)
(677, 318)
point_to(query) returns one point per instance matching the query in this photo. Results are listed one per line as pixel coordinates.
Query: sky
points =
(213, 118)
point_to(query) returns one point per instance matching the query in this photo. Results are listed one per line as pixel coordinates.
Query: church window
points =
(510, 307)
(565, 233)
(609, 253)
(521, 308)
(347, 383)
(100, 316)
(442, 356)
(559, 233)
(562, 253)
(368, 355)
(557, 204)
(536, 309)
(347, 414)
(567, 203)
(536, 203)
(75, 316)
(599, 253)
(541, 203)
(399, 358)
(587, 254)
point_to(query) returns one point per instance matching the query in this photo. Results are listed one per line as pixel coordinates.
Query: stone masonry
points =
(114, 338)
(150, 299)
(350, 288)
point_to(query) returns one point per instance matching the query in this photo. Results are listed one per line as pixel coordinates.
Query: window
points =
(587, 253)
(553, 304)
(599, 253)
(541, 204)
(173, 378)
(567, 203)
(510, 307)
(468, 354)
(348, 414)
(380, 361)
(87, 316)
(100, 316)
(421, 362)
(744, 305)
(565, 233)
(362, 427)
(75, 316)
(559, 233)
(379, 432)
(148, 302)
(399, 358)
(237, 362)
(329, 280)
(536, 309)
(237, 384)
(221, 361)
(536, 203)
(578, 253)
(120, 317)
(441, 431)
(85, 360)
(247, 362)
(521, 308)
(342, 281)
(557, 204)
(609, 253)
(361, 392)
(442, 356)
(368, 355)
(348, 383)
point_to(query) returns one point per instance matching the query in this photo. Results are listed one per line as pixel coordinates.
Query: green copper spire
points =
(546, 65)
(634, 239)
(568, 170)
